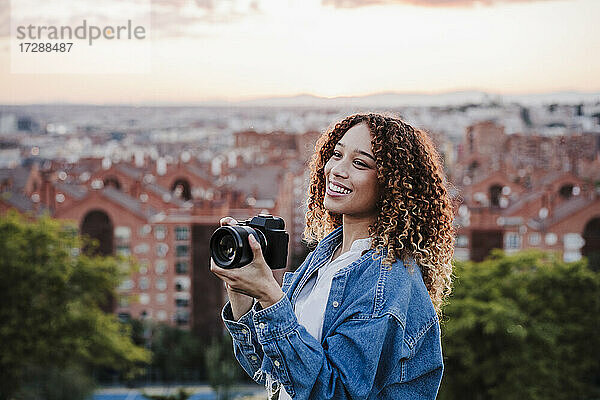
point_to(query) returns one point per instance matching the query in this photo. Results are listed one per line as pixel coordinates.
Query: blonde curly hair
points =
(415, 214)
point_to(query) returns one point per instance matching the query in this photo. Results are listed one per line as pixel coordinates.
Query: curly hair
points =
(414, 217)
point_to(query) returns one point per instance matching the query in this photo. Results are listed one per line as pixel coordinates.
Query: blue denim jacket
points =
(381, 335)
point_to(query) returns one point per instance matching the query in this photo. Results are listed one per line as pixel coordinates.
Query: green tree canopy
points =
(177, 354)
(51, 298)
(522, 326)
(222, 367)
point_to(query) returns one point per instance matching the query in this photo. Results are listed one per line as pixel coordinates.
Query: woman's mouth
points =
(336, 190)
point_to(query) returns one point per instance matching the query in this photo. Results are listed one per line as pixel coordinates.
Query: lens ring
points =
(224, 246)
(229, 245)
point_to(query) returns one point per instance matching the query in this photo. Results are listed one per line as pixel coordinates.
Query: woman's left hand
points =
(255, 279)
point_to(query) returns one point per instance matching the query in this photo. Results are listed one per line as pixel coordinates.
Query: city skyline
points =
(246, 50)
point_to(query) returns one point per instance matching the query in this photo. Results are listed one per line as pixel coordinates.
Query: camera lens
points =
(226, 247)
(229, 246)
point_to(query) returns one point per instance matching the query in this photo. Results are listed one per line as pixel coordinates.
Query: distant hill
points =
(377, 100)
(414, 99)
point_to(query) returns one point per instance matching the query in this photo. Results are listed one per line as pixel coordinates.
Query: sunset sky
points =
(242, 49)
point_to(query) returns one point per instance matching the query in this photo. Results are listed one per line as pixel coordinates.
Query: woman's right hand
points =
(240, 303)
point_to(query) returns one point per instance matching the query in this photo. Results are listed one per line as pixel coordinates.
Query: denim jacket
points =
(380, 338)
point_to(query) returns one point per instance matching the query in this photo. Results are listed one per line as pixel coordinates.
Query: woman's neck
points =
(353, 229)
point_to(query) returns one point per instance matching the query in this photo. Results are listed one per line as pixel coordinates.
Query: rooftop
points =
(131, 204)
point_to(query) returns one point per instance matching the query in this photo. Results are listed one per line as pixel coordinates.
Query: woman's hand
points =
(254, 280)
(240, 303)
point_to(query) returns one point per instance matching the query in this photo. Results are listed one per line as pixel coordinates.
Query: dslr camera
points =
(229, 246)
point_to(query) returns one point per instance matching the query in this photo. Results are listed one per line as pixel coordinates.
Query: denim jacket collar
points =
(321, 254)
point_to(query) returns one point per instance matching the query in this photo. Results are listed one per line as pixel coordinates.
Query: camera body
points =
(229, 246)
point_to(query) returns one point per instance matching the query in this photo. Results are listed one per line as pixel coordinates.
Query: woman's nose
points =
(339, 169)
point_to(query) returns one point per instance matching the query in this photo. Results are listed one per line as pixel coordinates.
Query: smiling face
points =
(351, 176)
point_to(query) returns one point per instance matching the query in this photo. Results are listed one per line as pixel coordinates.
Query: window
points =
(182, 302)
(571, 256)
(182, 250)
(495, 192)
(123, 250)
(182, 283)
(160, 232)
(161, 315)
(162, 249)
(161, 298)
(122, 233)
(551, 239)
(141, 248)
(566, 191)
(535, 239)
(144, 283)
(181, 267)
(182, 317)
(144, 299)
(127, 284)
(161, 284)
(122, 238)
(160, 266)
(512, 241)
(144, 230)
(143, 267)
(123, 301)
(462, 254)
(124, 317)
(573, 241)
(182, 233)
(462, 241)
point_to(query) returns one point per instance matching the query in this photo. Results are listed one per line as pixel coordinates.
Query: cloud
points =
(170, 18)
(186, 18)
(424, 3)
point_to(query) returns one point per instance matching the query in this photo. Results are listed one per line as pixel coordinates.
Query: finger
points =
(256, 249)
(241, 291)
(227, 221)
(221, 272)
(226, 280)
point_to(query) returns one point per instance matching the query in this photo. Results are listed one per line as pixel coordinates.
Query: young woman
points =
(359, 318)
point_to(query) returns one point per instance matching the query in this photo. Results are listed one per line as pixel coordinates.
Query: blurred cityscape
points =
(153, 182)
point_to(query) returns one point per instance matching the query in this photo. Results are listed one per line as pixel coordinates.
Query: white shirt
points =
(312, 299)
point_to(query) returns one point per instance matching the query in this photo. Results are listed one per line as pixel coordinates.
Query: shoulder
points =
(401, 293)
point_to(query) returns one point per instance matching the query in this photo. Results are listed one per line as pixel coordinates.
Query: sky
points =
(202, 50)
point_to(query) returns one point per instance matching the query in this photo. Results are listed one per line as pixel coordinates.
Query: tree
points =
(176, 354)
(222, 368)
(51, 298)
(522, 326)
(56, 383)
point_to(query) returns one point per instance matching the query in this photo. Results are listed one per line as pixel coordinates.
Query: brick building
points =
(527, 191)
(512, 192)
(163, 214)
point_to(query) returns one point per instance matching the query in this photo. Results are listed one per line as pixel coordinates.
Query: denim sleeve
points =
(350, 364)
(246, 347)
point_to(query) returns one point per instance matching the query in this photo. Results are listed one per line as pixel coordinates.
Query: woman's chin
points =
(332, 207)
(327, 204)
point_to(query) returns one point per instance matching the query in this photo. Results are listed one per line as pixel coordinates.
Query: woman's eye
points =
(360, 164)
(337, 154)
